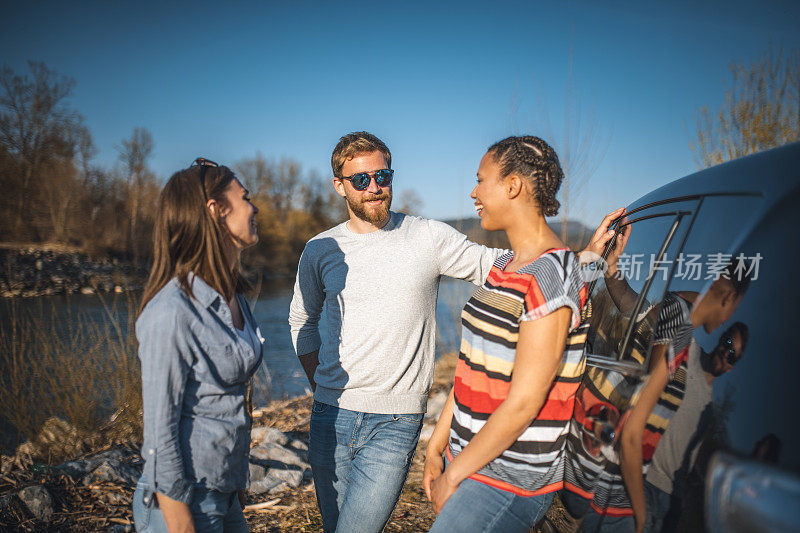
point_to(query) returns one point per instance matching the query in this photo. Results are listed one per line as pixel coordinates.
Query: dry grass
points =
(443, 373)
(73, 367)
(97, 507)
(78, 507)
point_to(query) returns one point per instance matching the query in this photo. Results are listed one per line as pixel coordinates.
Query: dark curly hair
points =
(535, 161)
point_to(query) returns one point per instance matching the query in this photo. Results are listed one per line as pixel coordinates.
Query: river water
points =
(281, 371)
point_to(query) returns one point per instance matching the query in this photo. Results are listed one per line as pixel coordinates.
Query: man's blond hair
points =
(352, 144)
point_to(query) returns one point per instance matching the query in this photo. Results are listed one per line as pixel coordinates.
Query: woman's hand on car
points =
(603, 235)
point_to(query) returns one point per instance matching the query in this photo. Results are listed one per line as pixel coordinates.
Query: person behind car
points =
(665, 480)
(640, 435)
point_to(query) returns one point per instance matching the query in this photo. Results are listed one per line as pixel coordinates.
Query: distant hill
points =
(578, 234)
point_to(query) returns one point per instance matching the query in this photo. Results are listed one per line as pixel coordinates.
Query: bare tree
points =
(287, 183)
(134, 153)
(87, 151)
(409, 202)
(321, 201)
(256, 173)
(35, 128)
(293, 207)
(104, 198)
(761, 110)
(60, 200)
(581, 146)
(66, 179)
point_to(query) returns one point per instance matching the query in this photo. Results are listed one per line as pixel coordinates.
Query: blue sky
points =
(438, 81)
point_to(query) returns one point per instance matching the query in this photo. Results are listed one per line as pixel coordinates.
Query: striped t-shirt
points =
(490, 330)
(675, 330)
(599, 477)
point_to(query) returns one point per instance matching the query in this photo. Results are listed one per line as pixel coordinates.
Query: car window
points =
(720, 221)
(751, 398)
(703, 244)
(624, 309)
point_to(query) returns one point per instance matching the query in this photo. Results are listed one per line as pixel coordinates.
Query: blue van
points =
(720, 443)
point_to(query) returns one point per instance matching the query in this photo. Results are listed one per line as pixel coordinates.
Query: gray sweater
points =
(677, 449)
(376, 293)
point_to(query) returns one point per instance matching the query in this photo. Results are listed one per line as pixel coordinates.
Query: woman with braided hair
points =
(504, 426)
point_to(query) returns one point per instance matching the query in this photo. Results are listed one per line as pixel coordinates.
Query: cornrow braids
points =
(537, 163)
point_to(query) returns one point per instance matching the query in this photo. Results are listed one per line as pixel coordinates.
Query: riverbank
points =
(90, 488)
(28, 271)
(92, 491)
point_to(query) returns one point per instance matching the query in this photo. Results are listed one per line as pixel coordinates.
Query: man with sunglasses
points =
(665, 481)
(656, 492)
(679, 382)
(375, 278)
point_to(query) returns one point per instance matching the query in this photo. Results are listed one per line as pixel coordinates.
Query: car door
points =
(675, 249)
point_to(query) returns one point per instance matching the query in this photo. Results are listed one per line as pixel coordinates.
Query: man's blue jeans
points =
(360, 462)
(477, 507)
(659, 504)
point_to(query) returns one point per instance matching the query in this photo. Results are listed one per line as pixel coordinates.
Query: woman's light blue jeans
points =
(477, 507)
(360, 462)
(212, 511)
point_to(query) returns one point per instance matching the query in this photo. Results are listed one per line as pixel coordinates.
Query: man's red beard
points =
(372, 215)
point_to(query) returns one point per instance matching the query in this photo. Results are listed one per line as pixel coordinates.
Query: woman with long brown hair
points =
(198, 346)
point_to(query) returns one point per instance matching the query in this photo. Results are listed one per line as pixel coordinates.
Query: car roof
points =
(771, 174)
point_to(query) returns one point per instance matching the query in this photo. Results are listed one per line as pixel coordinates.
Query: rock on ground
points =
(299, 445)
(426, 432)
(275, 468)
(80, 467)
(115, 471)
(273, 481)
(435, 406)
(432, 411)
(38, 501)
(273, 455)
(35, 271)
(266, 434)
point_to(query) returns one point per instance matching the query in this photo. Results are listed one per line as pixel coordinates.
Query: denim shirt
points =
(195, 371)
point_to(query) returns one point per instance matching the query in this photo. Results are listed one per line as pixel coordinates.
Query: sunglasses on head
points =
(203, 163)
(730, 353)
(360, 181)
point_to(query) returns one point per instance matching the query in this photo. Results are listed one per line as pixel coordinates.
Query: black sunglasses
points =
(730, 355)
(360, 181)
(203, 163)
